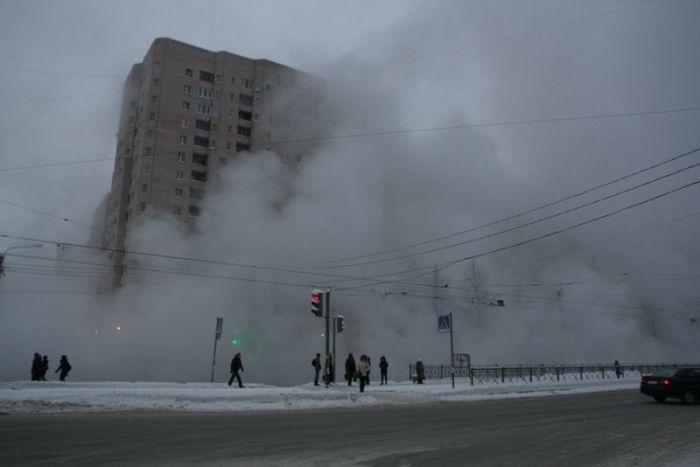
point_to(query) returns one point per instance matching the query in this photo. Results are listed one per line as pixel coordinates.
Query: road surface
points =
(615, 428)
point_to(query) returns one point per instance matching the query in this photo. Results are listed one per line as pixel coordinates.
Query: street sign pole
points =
(452, 352)
(333, 354)
(217, 336)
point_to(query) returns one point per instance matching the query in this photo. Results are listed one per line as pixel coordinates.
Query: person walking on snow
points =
(236, 366)
(36, 367)
(420, 371)
(383, 366)
(350, 368)
(363, 369)
(64, 367)
(316, 363)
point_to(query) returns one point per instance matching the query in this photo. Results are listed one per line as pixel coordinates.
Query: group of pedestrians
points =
(40, 366)
(354, 371)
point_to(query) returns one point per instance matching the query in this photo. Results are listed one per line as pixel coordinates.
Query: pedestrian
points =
(36, 367)
(236, 366)
(316, 363)
(420, 371)
(383, 366)
(64, 367)
(618, 369)
(44, 367)
(369, 368)
(350, 368)
(363, 369)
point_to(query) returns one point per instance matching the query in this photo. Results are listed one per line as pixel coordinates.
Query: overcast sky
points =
(502, 106)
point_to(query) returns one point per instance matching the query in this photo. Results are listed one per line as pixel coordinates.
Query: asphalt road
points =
(620, 428)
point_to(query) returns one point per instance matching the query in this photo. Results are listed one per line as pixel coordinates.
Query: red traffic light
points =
(317, 303)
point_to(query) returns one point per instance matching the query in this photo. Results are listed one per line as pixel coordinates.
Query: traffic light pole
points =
(327, 306)
(333, 356)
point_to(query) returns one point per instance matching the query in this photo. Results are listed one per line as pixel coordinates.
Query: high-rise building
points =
(188, 112)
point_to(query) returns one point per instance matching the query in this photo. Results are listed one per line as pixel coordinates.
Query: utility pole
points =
(327, 306)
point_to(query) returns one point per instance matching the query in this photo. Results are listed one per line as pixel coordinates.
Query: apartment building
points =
(187, 113)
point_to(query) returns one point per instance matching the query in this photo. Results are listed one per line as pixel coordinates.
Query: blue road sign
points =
(444, 323)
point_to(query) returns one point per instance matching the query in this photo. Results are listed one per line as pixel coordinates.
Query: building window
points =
(193, 211)
(204, 109)
(144, 188)
(243, 115)
(185, 106)
(147, 170)
(149, 150)
(177, 210)
(230, 113)
(143, 206)
(180, 175)
(202, 125)
(243, 131)
(245, 100)
(228, 145)
(199, 176)
(246, 83)
(189, 72)
(218, 79)
(230, 128)
(152, 116)
(200, 159)
(207, 93)
(212, 144)
(154, 98)
(256, 117)
(178, 192)
(196, 193)
(242, 147)
(184, 123)
(181, 157)
(183, 139)
(206, 76)
(222, 161)
(201, 141)
(233, 80)
(188, 89)
(149, 133)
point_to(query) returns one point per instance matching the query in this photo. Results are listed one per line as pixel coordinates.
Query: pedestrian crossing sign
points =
(444, 323)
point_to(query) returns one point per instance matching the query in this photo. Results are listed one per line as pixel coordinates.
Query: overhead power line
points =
(520, 214)
(386, 133)
(520, 226)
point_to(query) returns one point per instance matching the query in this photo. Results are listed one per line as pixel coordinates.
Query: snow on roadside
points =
(24, 397)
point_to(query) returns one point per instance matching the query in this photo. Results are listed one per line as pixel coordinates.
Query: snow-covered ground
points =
(53, 396)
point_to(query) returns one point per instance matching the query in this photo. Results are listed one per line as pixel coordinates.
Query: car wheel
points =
(688, 398)
(659, 399)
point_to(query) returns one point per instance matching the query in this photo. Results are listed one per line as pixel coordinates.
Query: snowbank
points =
(56, 397)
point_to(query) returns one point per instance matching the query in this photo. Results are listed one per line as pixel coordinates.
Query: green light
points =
(236, 339)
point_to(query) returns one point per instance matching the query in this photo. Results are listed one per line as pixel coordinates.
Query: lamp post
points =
(4, 254)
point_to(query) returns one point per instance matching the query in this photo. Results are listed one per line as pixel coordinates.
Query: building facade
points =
(187, 113)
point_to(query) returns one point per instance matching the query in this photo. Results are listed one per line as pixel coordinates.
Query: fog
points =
(443, 120)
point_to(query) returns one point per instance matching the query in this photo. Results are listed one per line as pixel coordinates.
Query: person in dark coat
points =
(383, 366)
(618, 369)
(316, 363)
(64, 367)
(44, 367)
(369, 369)
(420, 372)
(236, 366)
(350, 368)
(36, 367)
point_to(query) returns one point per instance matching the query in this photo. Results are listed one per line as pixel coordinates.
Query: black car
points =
(683, 385)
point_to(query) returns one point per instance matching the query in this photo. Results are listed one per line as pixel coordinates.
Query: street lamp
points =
(4, 254)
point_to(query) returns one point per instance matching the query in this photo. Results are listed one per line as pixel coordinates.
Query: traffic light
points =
(339, 324)
(317, 302)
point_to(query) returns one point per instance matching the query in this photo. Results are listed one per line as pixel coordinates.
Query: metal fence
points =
(544, 373)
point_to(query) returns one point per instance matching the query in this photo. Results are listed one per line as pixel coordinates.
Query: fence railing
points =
(544, 373)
